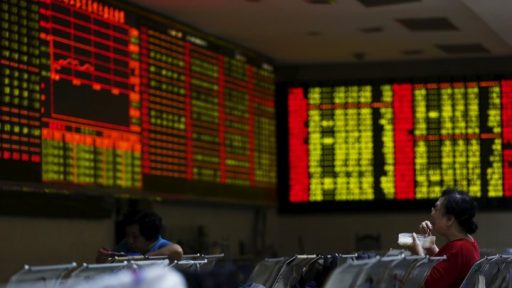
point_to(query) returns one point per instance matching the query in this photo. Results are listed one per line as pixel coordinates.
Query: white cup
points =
(426, 241)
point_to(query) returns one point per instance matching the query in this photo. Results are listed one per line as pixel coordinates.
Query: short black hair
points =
(150, 223)
(462, 207)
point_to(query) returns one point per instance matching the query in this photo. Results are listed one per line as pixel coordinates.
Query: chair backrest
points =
(293, 270)
(155, 258)
(191, 266)
(471, 279)
(491, 270)
(349, 274)
(124, 259)
(344, 258)
(200, 262)
(40, 276)
(145, 263)
(86, 272)
(374, 274)
(399, 271)
(504, 277)
(420, 271)
(191, 256)
(397, 252)
(266, 271)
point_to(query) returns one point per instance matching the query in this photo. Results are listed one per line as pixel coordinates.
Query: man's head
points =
(142, 229)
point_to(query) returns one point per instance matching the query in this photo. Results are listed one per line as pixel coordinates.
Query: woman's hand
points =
(415, 247)
(426, 228)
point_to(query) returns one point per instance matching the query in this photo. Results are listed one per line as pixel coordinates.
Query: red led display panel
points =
(20, 91)
(298, 148)
(91, 115)
(206, 116)
(103, 94)
(405, 142)
(163, 105)
(506, 113)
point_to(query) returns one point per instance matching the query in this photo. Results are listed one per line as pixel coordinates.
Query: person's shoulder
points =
(468, 243)
(455, 245)
(162, 242)
(462, 242)
(464, 248)
(472, 245)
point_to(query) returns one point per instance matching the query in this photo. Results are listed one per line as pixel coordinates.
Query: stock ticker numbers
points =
(341, 141)
(205, 116)
(163, 104)
(459, 141)
(205, 93)
(20, 82)
(447, 138)
(263, 127)
(91, 115)
(102, 94)
(399, 141)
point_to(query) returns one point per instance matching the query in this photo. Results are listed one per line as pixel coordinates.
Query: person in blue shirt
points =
(143, 237)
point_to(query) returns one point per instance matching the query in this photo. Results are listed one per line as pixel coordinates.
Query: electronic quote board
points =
(111, 96)
(396, 145)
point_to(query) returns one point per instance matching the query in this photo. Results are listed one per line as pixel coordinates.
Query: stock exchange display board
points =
(391, 145)
(102, 94)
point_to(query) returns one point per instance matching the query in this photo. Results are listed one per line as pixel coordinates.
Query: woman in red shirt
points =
(451, 218)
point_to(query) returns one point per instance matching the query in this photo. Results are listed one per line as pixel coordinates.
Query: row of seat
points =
(334, 271)
(400, 270)
(491, 271)
(70, 275)
(395, 271)
(329, 271)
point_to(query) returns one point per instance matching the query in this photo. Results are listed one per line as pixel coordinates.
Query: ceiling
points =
(302, 32)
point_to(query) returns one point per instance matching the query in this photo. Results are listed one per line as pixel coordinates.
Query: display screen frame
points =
(360, 206)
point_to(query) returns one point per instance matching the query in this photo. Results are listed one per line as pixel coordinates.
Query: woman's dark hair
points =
(150, 224)
(462, 207)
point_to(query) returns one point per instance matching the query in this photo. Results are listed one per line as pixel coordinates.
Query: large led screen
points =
(104, 94)
(396, 145)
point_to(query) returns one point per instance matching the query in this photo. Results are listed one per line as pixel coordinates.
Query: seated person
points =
(142, 238)
(452, 218)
